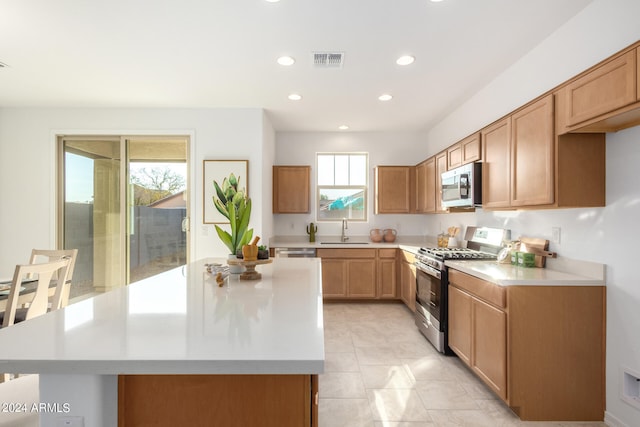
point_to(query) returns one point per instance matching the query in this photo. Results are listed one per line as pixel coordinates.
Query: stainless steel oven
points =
(431, 307)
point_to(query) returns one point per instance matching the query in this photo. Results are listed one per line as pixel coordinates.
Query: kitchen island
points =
(176, 346)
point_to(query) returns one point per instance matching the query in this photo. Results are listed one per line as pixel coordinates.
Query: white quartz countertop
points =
(562, 273)
(182, 322)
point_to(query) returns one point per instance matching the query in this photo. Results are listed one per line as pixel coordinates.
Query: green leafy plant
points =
(234, 204)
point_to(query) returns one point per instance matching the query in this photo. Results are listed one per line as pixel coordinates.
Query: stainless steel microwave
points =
(462, 187)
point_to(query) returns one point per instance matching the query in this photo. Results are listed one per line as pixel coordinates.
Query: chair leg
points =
(4, 378)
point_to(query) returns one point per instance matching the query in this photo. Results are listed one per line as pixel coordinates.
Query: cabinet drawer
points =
(387, 253)
(346, 253)
(481, 289)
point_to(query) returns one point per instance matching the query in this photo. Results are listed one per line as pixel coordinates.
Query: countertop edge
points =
(509, 275)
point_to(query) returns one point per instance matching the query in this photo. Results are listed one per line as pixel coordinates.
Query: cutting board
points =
(531, 244)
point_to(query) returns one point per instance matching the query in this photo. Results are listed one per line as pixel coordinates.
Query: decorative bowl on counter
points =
(376, 235)
(390, 235)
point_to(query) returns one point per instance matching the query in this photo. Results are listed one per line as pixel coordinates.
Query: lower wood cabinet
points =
(541, 349)
(478, 335)
(407, 281)
(359, 273)
(348, 273)
(218, 400)
(387, 273)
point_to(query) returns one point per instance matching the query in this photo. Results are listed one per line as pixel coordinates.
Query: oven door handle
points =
(429, 270)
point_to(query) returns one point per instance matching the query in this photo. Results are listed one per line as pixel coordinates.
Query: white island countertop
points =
(182, 322)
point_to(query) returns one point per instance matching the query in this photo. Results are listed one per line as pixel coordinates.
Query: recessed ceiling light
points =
(385, 97)
(276, 1)
(295, 97)
(343, 127)
(433, 1)
(286, 61)
(405, 60)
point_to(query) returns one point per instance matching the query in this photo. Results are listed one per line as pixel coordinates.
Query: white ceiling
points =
(222, 53)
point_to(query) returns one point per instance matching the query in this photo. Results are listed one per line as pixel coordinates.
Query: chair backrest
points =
(61, 297)
(40, 301)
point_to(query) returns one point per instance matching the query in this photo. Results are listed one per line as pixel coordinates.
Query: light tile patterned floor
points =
(381, 372)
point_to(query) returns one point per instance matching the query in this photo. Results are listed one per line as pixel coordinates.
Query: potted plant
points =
(263, 252)
(234, 204)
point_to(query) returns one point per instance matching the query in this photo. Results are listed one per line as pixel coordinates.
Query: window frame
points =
(364, 188)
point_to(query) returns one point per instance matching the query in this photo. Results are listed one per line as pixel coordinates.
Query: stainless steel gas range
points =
(432, 279)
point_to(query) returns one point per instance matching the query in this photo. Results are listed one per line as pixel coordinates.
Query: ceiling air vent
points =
(3, 65)
(328, 59)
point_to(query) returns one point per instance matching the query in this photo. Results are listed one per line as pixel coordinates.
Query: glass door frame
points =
(59, 179)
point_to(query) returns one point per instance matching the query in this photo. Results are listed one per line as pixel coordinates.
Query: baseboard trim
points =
(612, 421)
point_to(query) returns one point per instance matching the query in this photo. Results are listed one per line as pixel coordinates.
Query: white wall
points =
(606, 235)
(300, 148)
(27, 140)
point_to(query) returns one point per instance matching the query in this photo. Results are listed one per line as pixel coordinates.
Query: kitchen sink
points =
(344, 243)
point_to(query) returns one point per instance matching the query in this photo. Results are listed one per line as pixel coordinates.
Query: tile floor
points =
(381, 372)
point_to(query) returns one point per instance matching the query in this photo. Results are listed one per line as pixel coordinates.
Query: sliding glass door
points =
(124, 206)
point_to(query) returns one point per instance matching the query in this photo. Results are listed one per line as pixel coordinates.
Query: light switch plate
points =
(70, 422)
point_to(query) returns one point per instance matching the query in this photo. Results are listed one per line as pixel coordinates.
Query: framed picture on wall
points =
(218, 171)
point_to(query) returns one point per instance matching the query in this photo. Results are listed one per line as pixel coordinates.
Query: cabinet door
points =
(454, 156)
(291, 189)
(408, 285)
(460, 323)
(441, 166)
(421, 187)
(465, 151)
(394, 189)
(608, 87)
(361, 274)
(532, 150)
(426, 186)
(387, 273)
(432, 187)
(638, 74)
(334, 278)
(489, 354)
(496, 169)
(471, 149)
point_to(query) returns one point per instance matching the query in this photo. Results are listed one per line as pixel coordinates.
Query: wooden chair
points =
(39, 303)
(61, 297)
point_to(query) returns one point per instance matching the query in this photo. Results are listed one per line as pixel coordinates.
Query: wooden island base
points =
(218, 400)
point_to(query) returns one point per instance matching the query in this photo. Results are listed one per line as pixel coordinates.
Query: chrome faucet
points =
(345, 226)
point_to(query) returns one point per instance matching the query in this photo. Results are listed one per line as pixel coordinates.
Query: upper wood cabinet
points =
(441, 166)
(610, 86)
(466, 151)
(426, 186)
(532, 150)
(496, 169)
(394, 189)
(291, 189)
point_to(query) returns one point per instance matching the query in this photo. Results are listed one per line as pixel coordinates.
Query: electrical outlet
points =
(70, 422)
(205, 230)
(555, 235)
